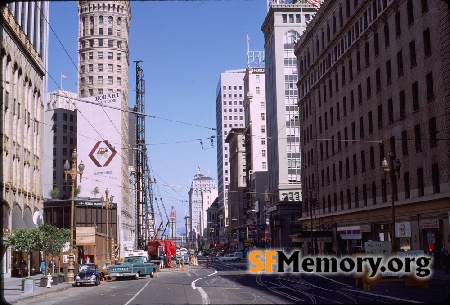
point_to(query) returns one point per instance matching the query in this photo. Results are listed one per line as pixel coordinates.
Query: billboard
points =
(99, 144)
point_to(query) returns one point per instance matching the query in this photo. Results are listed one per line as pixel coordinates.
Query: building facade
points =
(255, 213)
(374, 86)
(200, 184)
(237, 197)
(229, 114)
(103, 61)
(282, 27)
(24, 56)
(60, 139)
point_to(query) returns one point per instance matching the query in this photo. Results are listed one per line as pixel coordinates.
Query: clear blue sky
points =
(184, 46)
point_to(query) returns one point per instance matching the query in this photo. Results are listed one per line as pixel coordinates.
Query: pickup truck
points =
(133, 266)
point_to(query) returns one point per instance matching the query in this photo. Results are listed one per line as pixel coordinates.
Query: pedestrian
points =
(446, 261)
(22, 266)
(43, 268)
(51, 266)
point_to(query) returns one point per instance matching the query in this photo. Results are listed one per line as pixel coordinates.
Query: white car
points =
(227, 257)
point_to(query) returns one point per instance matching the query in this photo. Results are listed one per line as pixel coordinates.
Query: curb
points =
(34, 295)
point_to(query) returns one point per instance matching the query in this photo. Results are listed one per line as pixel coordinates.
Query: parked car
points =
(88, 274)
(238, 256)
(214, 257)
(133, 266)
(227, 257)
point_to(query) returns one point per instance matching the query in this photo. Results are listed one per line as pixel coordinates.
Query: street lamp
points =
(312, 202)
(392, 168)
(72, 171)
(107, 203)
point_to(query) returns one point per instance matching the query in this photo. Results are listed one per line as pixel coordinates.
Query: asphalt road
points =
(230, 283)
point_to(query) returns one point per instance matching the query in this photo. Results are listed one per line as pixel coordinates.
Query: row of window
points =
(109, 31)
(330, 204)
(229, 87)
(339, 50)
(100, 68)
(328, 120)
(65, 117)
(100, 80)
(289, 18)
(100, 43)
(90, 55)
(16, 112)
(235, 110)
(65, 140)
(99, 91)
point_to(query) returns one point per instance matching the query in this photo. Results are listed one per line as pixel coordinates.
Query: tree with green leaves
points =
(54, 193)
(53, 239)
(95, 191)
(24, 240)
(77, 190)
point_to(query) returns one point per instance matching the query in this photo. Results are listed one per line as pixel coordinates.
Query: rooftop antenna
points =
(248, 50)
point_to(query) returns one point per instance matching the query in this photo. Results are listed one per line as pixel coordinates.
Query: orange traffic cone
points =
(156, 274)
(182, 268)
(103, 281)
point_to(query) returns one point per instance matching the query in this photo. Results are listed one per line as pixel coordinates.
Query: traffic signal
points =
(211, 230)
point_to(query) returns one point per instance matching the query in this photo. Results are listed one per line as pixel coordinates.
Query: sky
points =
(183, 46)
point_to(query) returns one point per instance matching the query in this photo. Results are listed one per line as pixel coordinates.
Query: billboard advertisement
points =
(99, 144)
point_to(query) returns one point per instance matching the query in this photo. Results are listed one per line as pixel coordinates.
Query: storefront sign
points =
(353, 232)
(429, 224)
(403, 229)
(377, 247)
(366, 228)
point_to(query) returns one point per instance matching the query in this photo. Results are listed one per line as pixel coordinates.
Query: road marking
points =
(215, 271)
(148, 282)
(205, 299)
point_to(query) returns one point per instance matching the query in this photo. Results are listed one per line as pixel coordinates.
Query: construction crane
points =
(145, 216)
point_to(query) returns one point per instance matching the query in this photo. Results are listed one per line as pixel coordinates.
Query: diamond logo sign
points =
(102, 153)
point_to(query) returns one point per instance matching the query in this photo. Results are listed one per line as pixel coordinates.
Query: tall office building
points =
(282, 27)
(24, 56)
(60, 139)
(103, 70)
(374, 81)
(200, 185)
(229, 114)
(255, 152)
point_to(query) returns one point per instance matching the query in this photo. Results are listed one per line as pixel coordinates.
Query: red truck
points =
(167, 245)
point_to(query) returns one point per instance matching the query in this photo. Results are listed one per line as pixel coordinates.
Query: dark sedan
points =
(88, 274)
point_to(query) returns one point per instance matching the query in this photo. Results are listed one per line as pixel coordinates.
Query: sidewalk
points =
(12, 289)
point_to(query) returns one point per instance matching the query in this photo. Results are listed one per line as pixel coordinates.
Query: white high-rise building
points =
(229, 114)
(284, 23)
(103, 60)
(199, 186)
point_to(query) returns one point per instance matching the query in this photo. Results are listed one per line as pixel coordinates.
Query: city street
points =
(230, 283)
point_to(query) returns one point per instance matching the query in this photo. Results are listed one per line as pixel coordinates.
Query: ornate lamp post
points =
(392, 168)
(107, 203)
(72, 172)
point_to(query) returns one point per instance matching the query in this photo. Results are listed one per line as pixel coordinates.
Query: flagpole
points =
(61, 81)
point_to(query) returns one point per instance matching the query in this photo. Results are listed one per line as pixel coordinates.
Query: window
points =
(91, 67)
(369, 89)
(91, 80)
(100, 91)
(432, 127)
(404, 143)
(264, 165)
(430, 86)
(374, 193)
(418, 138)
(398, 30)
(402, 104)
(388, 72)
(380, 116)
(435, 178)
(358, 61)
(258, 90)
(263, 128)
(110, 55)
(372, 157)
(344, 106)
(100, 67)
(353, 125)
(390, 111)
(119, 68)
(361, 127)
(352, 100)
(370, 122)
(386, 35)
(118, 32)
(378, 80)
(263, 116)
(350, 69)
(119, 56)
(410, 10)
(100, 55)
(91, 55)
(375, 44)
(100, 31)
(424, 6)
(427, 42)
(284, 18)
(400, 63)
(100, 79)
(412, 54)
(297, 18)
(367, 53)
(415, 96)
(119, 81)
(420, 184)
(263, 152)
(100, 19)
(407, 186)
(110, 67)
(110, 19)
(110, 80)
